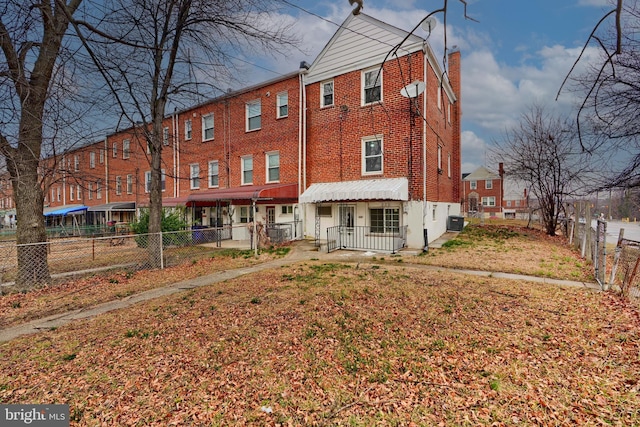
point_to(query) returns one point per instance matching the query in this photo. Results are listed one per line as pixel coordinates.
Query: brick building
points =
(358, 138)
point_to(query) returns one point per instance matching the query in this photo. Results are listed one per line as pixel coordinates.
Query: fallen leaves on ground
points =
(320, 343)
(510, 249)
(79, 293)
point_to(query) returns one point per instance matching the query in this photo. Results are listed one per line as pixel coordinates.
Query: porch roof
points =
(64, 210)
(288, 192)
(366, 189)
(116, 206)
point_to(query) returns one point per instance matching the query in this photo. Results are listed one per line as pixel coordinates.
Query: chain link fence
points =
(624, 269)
(69, 257)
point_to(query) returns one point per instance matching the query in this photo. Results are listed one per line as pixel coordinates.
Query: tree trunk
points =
(155, 193)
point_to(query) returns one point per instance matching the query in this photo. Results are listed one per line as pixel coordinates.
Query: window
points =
(71, 192)
(58, 193)
(473, 185)
(287, 209)
(489, 201)
(246, 214)
(92, 159)
(440, 97)
(165, 136)
(207, 127)
(372, 156)
(101, 156)
(439, 159)
(115, 149)
(508, 203)
(254, 115)
(90, 191)
(488, 184)
(326, 94)
(76, 162)
(282, 102)
(129, 184)
(273, 167)
(53, 194)
(213, 173)
(449, 165)
(78, 192)
(163, 180)
(187, 129)
(449, 112)
(195, 176)
(324, 210)
(247, 170)
(384, 220)
(517, 203)
(372, 84)
(126, 149)
(147, 182)
(99, 189)
(118, 185)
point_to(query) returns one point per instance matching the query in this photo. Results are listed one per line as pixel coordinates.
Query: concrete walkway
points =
(301, 251)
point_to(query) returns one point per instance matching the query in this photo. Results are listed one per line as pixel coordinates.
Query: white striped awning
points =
(366, 189)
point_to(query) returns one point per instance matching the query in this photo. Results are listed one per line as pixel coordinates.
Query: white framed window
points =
(163, 180)
(165, 136)
(53, 194)
(115, 149)
(372, 159)
(489, 201)
(118, 185)
(246, 214)
(129, 184)
(71, 192)
(273, 166)
(326, 93)
(78, 192)
(102, 156)
(488, 184)
(194, 176)
(147, 182)
(440, 97)
(508, 203)
(92, 159)
(99, 189)
(449, 165)
(207, 127)
(246, 165)
(473, 185)
(90, 191)
(324, 211)
(126, 149)
(58, 194)
(76, 162)
(282, 103)
(384, 220)
(213, 173)
(287, 209)
(371, 86)
(449, 112)
(254, 115)
(188, 130)
(439, 159)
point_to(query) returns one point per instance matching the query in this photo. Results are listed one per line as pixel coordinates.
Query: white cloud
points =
(474, 150)
(594, 2)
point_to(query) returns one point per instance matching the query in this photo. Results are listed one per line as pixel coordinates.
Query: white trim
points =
(378, 82)
(363, 156)
(204, 129)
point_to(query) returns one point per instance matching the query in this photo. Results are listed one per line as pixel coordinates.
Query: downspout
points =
(176, 143)
(105, 186)
(424, 151)
(302, 144)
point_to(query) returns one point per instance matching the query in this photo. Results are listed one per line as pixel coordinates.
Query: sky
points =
(517, 54)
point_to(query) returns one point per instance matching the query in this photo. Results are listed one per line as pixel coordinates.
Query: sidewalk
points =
(301, 251)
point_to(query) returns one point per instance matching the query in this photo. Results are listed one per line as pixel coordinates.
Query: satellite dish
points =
(429, 24)
(412, 90)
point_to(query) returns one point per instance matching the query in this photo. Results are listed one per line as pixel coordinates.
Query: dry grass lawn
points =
(327, 343)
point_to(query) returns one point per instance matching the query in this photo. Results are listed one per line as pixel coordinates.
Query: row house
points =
(365, 140)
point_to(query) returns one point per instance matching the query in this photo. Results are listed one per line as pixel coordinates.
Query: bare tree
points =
(541, 151)
(173, 43)
(32, 35)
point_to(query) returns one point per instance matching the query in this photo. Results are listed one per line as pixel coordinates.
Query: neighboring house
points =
(483, 192)
(491, 194)
(362, 156)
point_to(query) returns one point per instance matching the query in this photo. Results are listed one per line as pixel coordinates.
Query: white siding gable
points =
(361, 42)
